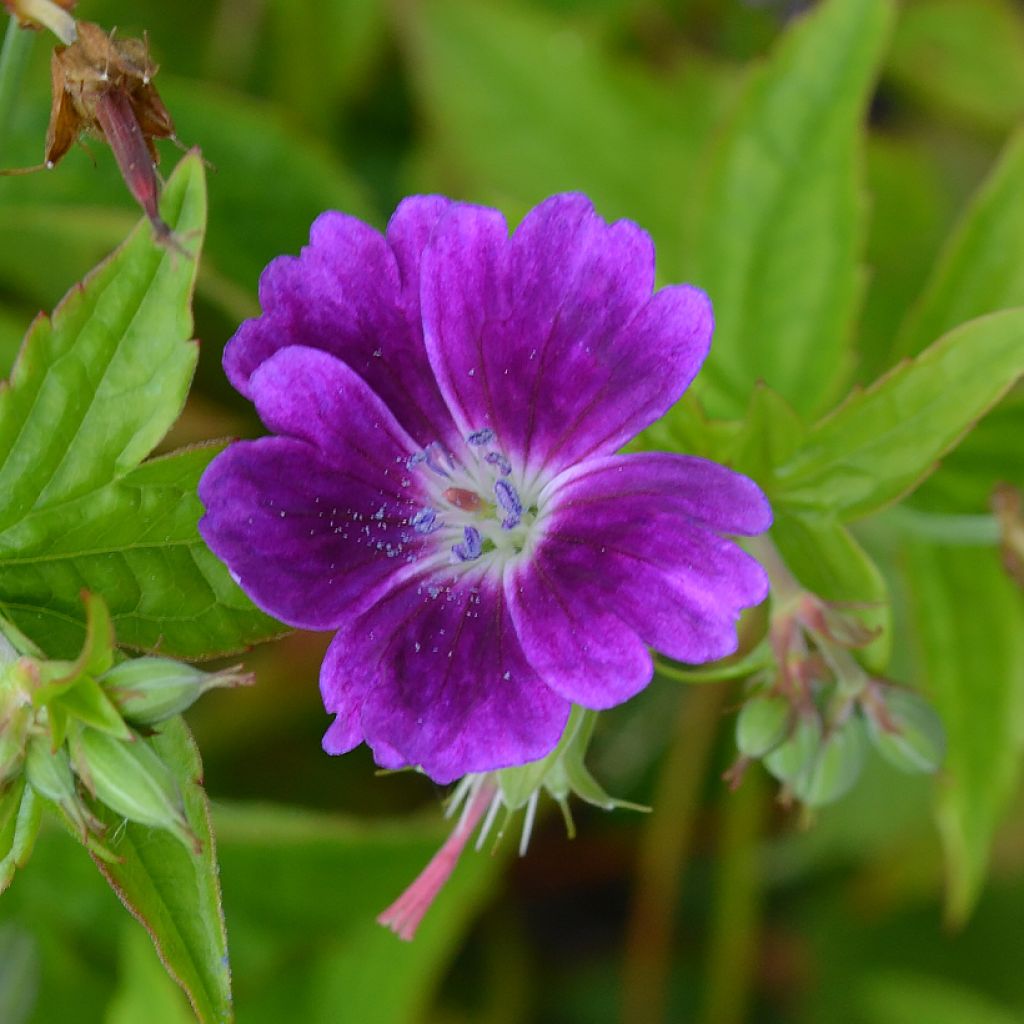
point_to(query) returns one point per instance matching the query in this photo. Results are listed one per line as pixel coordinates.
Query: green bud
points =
(20, 818)
(14, 728)
(907, 731)
(836, 767)
(133, 782)
(791, 758)
(762, 724)
(148, 691)
(49, 774)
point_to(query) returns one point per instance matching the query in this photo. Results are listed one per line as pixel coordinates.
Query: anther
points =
(499, 460)
(481, 437)
(508, 499)
(425, 521)
(471, 547)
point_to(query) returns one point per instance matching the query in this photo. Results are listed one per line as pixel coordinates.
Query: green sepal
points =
(763, 723)
(95, 658)
(86, 702)
(909, 734)
(132, 780)
(835, 768)
(740, 666)
(49, 773)
(27, 818)
(788, 761)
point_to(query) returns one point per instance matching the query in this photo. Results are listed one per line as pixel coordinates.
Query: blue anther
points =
(499, 460)
(416, 459)
(508, 499)
(435, 451)
(481, 437)
(425, 521)
(471, 547)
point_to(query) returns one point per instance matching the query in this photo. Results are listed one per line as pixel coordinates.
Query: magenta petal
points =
(355, 294)
(552, 338)
(311, 524)
(448, 687)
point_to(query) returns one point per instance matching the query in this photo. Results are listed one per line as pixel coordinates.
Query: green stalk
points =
(13, 59)
(734, 942)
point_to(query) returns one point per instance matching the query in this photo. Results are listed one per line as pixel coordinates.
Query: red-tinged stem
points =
(122, 131)
(404, 915)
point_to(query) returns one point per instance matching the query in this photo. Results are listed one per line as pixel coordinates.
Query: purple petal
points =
(313, 523)
(355, 294)
(552, 338)
(440, 680)
(628, 559)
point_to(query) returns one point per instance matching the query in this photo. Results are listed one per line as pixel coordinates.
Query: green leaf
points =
(98, 385)
(135, 542)
(174, 892)
(964, 57)
(19, 974)
(881, 443)
(975, 275)
(782, 225)
(899, 996)
(970, 625)
(524, 106)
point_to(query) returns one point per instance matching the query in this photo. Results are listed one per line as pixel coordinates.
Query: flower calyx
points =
(76, 736)
(479, 798)
(811, 721)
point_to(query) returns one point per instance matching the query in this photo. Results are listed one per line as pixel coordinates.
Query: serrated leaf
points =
(976, 273)
(880, 443)
(136, 543)
(782, 226)
(970, 627)
(98, 385)
(174, 892)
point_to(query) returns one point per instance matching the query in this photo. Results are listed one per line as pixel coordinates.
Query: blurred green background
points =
(719, 907)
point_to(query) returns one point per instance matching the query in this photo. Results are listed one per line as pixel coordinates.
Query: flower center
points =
(477, 506)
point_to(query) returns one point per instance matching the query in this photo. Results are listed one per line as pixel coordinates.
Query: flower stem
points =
(13, 58)
(664, 847)
(733, 945)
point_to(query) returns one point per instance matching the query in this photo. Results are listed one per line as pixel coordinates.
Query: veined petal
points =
(441, 681)
(552, 338)
(313, 523)
(354, 293)
(630, 557)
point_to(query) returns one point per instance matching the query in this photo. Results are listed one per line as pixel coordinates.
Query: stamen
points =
(499, 460)
(481, 437)
(425, 521)
(468, 501)
(470, 548)
(435, 451)
(508, 499)
(404, 915)
(531, 813)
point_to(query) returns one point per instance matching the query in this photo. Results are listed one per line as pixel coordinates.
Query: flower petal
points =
(446, 685)
(314, 523)
(355, 294)
(552, 338)
(630, 557)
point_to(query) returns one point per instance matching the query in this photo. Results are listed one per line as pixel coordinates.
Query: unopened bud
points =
(836, 767)
(20, 817)
(791, 758)
(906, 730)
(132, 781)
(14, 729)
(49, 774)
(148, 691)
(762, 724)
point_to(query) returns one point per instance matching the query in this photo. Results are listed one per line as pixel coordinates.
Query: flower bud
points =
(791, 758)
(835, 769)
(148, 691)
(762, 724)
(907, 731)
(49, 774)
(20, 817)
(14, 729)
(132, 781)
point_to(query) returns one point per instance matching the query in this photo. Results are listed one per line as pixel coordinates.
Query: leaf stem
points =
(13, 58)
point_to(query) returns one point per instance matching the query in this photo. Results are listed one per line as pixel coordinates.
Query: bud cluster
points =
(76, 736)
(812, 721)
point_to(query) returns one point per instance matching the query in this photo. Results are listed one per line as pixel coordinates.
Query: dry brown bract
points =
(51, 14)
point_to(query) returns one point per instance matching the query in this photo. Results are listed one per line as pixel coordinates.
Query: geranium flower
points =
(443, 488)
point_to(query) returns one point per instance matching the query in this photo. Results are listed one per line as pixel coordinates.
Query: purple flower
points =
(442, 489)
